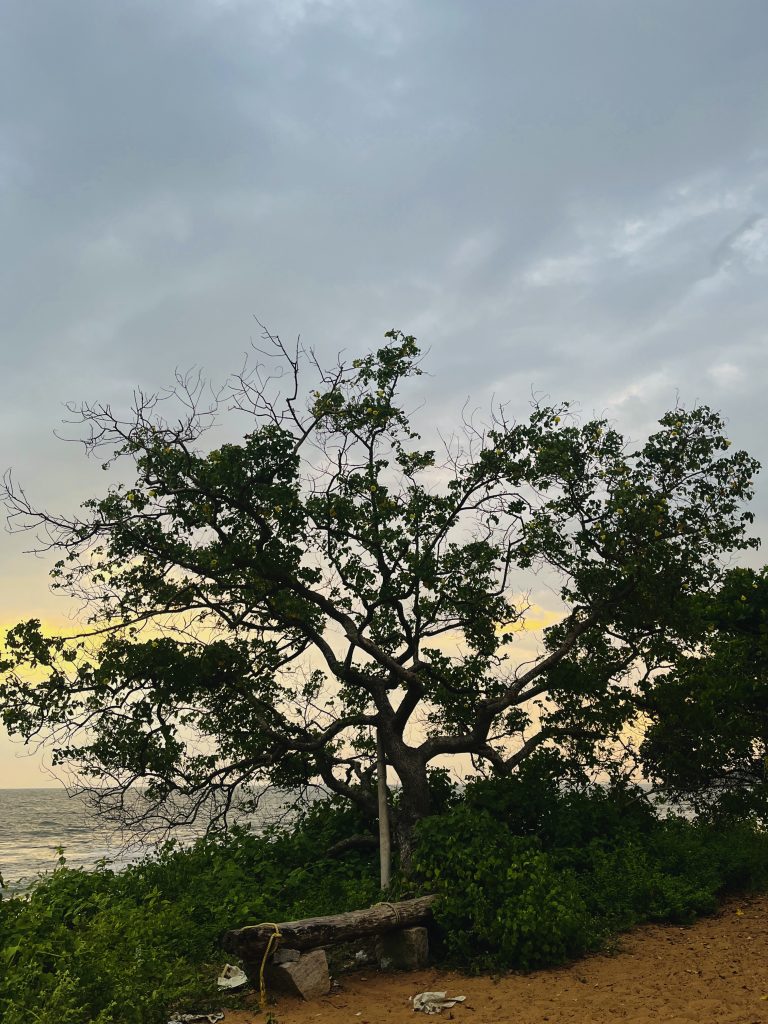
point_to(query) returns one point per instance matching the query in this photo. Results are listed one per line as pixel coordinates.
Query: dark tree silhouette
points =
(257, 609)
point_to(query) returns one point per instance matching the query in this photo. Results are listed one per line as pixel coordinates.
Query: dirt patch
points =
(714, 971)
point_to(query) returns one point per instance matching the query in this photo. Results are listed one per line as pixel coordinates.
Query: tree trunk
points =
(414, 800)
(414, 805)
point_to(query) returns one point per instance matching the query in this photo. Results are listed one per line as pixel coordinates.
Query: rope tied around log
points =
(394, 908)
(272, 943)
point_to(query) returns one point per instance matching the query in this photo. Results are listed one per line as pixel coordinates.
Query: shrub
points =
(530, 875)
(105, 948)
(503, 902)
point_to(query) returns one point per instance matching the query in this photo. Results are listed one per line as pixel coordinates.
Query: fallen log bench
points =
(298, 961)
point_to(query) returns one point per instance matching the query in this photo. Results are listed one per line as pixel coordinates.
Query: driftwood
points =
(249, 943)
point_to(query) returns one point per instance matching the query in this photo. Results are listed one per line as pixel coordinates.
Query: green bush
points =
(504, 903)
(535, 803)
(105, 948)
(528, 876)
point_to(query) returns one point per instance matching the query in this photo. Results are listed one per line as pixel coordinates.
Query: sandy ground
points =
(714, 971)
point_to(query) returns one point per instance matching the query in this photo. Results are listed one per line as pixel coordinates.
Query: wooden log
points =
(250, 942)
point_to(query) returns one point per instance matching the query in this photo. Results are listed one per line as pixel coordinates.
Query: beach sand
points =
(713, 971)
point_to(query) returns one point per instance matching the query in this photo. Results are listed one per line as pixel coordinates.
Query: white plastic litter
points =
(232, 977)
(435, 1002)
(196, 1018)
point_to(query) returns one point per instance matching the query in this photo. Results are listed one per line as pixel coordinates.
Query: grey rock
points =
(404, 950)
(286, 956)
(307, 977)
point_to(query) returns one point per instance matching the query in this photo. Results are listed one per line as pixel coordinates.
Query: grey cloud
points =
(536, 190)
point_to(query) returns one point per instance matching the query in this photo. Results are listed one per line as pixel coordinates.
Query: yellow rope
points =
(394, 908)
(272, 945)
(274, 940)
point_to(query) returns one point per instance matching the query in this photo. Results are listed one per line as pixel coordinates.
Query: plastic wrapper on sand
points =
(435, 1002)
(196, 1018)
(232, 977)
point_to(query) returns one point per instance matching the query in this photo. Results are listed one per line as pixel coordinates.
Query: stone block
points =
(286, 956)
(307, 977)
(403, 950)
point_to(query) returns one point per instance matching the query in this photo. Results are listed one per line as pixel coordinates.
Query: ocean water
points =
(34, 822)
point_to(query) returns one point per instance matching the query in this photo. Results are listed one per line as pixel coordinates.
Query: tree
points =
(256, 609)
(707, 738)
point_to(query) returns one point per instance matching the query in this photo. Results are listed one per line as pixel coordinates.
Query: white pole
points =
(385, 854)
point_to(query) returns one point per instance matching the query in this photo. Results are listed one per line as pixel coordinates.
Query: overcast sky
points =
(564, 197)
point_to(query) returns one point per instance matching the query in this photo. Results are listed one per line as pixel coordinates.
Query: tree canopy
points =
(707, 738)
(256, 609)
